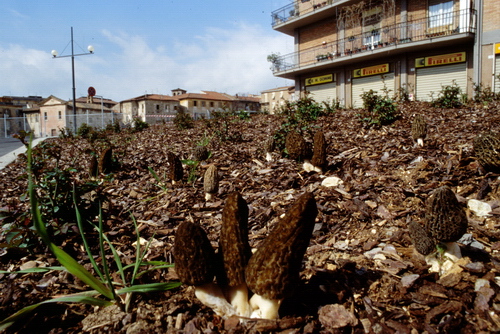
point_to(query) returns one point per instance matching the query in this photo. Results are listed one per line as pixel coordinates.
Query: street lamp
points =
(54, 53)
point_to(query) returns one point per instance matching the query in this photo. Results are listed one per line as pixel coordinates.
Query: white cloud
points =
(231, 61)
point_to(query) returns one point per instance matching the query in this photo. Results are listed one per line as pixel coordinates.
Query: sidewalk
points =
(10, 148)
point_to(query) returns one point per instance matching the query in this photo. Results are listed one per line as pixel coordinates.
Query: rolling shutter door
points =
(325, 92)
(431, 79)
(497, 74)
(361, 85)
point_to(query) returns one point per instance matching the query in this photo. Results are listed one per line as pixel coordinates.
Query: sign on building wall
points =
(497, 48)
(319, 80)
(450, 58)
(372, 70)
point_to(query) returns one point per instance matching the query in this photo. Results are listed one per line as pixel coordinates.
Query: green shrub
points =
(450, 96)
(379, 110)
(139, 125)
(183, 120)
(84, 130)
(484, 94)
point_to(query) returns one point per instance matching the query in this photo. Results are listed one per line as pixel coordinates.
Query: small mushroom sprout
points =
(319, 152)
(195, 265)
(175, 171)
(419, 129)
(273, 270)
(235, 250)
(211, 182)
(269, 147)
(296, 146)
(487, 150)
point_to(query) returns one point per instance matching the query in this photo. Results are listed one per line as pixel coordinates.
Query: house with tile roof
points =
(273, 99)
(150, 108)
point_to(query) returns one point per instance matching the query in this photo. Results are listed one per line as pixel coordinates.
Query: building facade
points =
(151, 108)
(12, 109)
(273, 99)
(345, 48)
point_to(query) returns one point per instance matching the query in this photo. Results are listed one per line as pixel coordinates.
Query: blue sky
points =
(140, 47)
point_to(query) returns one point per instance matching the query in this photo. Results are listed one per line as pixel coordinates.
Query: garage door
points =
(497, 74)
(325, 92)
(430, 80)
(361, 85)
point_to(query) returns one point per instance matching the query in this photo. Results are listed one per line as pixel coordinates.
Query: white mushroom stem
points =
(308, 166)
(420, 142)
(209, 197)
(264, 308)
(442, 264)
(211, 295)
(238, 297)
(269, 156)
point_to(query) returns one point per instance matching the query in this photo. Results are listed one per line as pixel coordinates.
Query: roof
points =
(205, 95)
(97, 100)
(278, 89)
(154, 97)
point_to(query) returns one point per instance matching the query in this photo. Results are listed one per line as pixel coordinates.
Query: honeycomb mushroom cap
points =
(487, 150)
(296, 146)
(418, 127)
(446, 220)
(270, 144)
(319, 150)
(421, 240)
(211, 180)
(175, 172)
(106, 161)
(193, 254)
(233, 243)
(273, 270)
(200, 153)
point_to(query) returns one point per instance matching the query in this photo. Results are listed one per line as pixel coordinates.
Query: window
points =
(203, 103)
(212, 104)
(195, 103)
(157, 107)
(167, 108)
(59, 114)
(440, 14)
(37, 118)
(45, 115)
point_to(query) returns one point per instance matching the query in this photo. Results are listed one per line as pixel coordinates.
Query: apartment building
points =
(344, 48)
(151, 108)
(273, 99)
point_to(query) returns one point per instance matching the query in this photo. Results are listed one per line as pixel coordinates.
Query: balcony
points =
(402, 37)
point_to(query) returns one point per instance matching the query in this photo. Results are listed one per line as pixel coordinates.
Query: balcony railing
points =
(448, 24)
(298, 8)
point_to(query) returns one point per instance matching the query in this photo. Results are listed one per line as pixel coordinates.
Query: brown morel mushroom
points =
(269, 147)
(235, 250)
(487, 150)
(273, 270)
(106, 161)
(195, 265)
(419, 129)
(319, 152)
(93, 166)
(445, 220)
(211, 182)
(296, 146)
(175, 171)
(200, 153)
(421, 240)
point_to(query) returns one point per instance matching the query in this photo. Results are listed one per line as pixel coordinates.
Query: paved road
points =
(10, 148)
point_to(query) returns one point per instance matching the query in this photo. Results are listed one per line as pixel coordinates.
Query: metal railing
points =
(298, 8)
(448, 24)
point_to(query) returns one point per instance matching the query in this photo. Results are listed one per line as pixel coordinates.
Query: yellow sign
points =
(497, 48)
(450, 58)
(319, 80)
(372, 70)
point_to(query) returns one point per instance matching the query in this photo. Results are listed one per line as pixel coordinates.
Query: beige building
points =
(203, 104)
(345, 48)
(273, 99)
(12, 113)
(151, 108)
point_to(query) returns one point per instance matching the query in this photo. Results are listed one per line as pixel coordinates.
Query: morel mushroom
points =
(269, 147)
(195, 265)
(424, 244)
(446, 221)
(106, 161)
(319, 152)
(273, 270)
(200, 153)
(419, 129)
(487, 150)
(296, 146)
(175, 171)
(93, 166)
(211, 182)
(235, 251)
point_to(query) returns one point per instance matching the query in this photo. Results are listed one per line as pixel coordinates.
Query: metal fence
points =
(49, 126)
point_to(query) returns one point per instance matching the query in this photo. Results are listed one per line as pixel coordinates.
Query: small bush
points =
(484, 94)
(183, 120)
(380, 110)
(450, 96)
(84, 130)
(139, 125)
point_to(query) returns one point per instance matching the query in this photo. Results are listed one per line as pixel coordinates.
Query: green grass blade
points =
(85, 243)
(25, 312)
(103, 256)
(152, 287)
(116, 257)
(33, 270)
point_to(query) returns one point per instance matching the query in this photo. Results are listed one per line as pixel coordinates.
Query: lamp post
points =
(73, 55)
